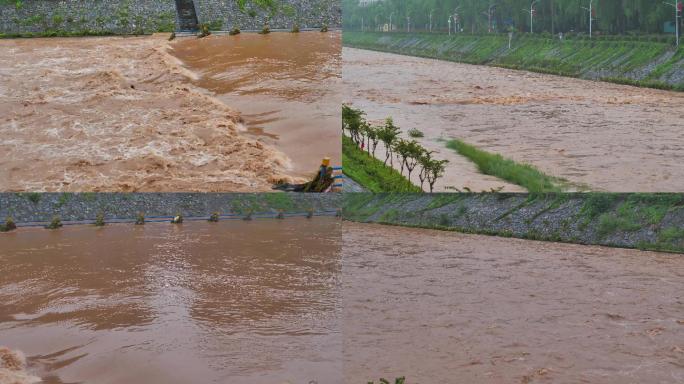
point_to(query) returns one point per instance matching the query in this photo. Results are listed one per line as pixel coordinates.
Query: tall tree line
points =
(553, 16)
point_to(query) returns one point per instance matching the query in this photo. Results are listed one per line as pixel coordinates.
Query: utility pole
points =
(457, 20)
(591, 16)
(431, 20)
(408, 23)
(390, 26)
(489, 16)
(531, 12)
(449, 21)
(678, 10)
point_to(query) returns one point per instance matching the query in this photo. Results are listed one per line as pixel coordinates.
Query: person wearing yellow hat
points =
(324, 168)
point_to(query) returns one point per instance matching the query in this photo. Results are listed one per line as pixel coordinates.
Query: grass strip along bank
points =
(648, 61)
(525, 175)
(370, 172)
(644, 221)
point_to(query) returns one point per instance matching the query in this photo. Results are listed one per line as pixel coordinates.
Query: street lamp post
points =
(408, 23)
(390, 26)
(457, 22)
(489, 15)
(591, 16)
(430, 20)
(449, 21)
(678, 8)
(532, 15)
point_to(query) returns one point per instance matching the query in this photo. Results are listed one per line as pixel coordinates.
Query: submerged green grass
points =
(524, 175)
(372, 173)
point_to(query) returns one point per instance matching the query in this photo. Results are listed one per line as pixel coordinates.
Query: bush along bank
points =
(43, 207)
(643, 221)
(648, 61)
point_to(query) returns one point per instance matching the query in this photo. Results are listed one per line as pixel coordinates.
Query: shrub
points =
(99, 220)
(234, 31)
(214, 218)
(55, 223)
(140, 220)
(9, 224)
(413, 132)
(204, 31)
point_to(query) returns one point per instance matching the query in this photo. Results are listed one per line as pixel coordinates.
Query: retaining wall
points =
(147, 16)
(42, 207)
(646, 221)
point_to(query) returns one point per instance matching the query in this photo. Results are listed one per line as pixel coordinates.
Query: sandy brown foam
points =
(119, 114)
(13, 368)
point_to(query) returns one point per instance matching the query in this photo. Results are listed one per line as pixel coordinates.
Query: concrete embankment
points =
(649, 61)
(645, 221)
(42, 207)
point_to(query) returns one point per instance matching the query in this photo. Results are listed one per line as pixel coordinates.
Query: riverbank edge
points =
(417, 45)
(623, 220)
(371, 173)
(42, 207)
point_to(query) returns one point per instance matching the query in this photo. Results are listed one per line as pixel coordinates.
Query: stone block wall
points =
(147, 16)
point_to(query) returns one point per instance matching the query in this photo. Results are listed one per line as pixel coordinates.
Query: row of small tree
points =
(409, 154)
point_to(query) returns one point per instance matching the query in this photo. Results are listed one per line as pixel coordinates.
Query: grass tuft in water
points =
(55, 223)
(524, 175)
(8, 226)
(99, 220)
(140, 220)
(415, 133)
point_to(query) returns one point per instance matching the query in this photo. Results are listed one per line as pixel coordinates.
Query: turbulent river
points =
(238, 302)
(594, 134)
(444, 307)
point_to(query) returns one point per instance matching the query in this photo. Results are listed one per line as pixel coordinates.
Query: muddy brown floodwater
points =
(443, 307)
(599, 135)
(287, 86)
(124, 114)
(229, 302)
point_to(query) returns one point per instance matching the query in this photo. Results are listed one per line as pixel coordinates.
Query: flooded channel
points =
(238, 302)
(599, 135)
(124, 114)
(287, 87)
(442, 307)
